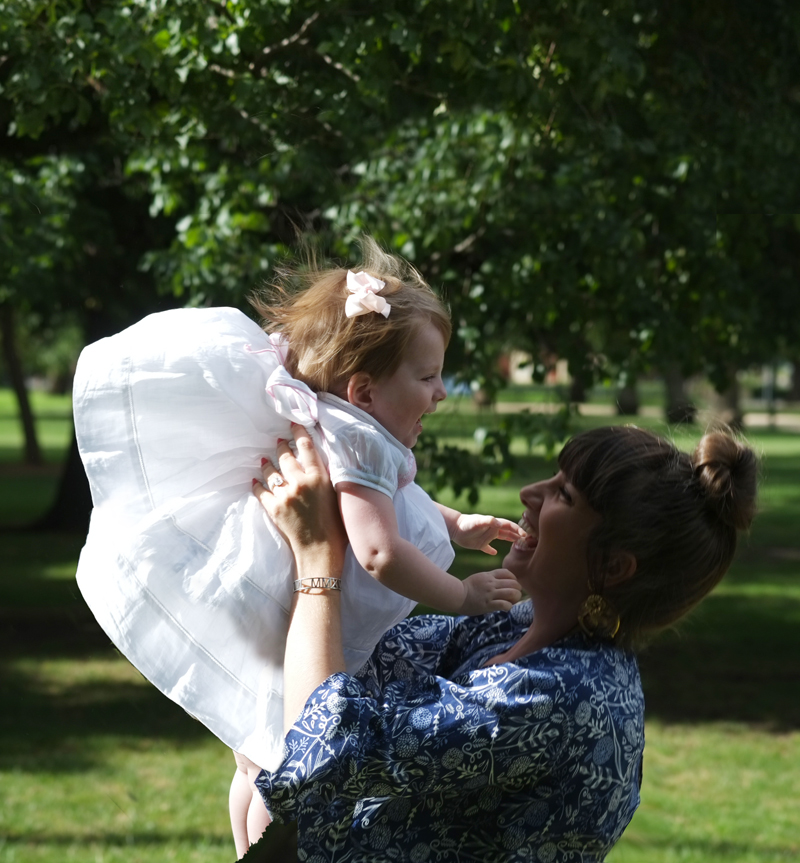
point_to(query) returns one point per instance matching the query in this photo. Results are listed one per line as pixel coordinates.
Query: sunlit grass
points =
(53, 420)
(715, 792)
(106, 768)
(142, 799)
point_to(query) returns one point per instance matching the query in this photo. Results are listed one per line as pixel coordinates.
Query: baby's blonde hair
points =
(326, 348)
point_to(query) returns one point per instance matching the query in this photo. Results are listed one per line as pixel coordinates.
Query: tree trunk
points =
(33, 454)
(727, 403)
(794, 388)
(627, 401)
(679, 407)
(72, 507)
(73, 504)
(577, 390)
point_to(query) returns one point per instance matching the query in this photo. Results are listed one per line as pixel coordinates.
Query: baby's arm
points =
(477, 531)
(371, 525)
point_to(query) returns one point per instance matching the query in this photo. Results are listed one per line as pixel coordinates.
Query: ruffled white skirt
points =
(182, 567)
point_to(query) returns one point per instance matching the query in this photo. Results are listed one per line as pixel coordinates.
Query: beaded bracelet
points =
(317, 583)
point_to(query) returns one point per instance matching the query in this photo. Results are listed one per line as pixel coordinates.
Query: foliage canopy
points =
(611, 183)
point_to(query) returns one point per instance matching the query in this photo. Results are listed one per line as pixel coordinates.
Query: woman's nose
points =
(531, 495)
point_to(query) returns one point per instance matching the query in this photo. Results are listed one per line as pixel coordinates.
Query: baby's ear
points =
(360, 391)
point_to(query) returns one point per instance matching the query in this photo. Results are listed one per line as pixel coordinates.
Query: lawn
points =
(96, 766)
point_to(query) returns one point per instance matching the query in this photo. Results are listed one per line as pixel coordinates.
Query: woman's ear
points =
(360, 391)
(621, 567)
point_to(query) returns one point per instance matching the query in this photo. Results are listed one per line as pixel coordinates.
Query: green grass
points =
(53, 425)
(95, 765)
(25, 493)
(715, 792)
(650, 393)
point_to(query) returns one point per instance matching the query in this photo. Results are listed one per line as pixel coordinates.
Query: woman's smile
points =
(529, 542)
(558, 520)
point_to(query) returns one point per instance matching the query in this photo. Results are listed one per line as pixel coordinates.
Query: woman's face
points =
(551, 560)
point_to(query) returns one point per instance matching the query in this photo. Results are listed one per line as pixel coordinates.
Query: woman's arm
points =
(371, 526)
(304, 509)
(435, 736)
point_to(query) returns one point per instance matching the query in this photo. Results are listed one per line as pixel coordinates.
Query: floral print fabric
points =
(427, 756)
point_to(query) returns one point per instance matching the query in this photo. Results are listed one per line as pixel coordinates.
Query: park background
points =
(606, 194)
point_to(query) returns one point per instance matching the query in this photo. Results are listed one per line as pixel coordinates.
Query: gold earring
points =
(598, 618)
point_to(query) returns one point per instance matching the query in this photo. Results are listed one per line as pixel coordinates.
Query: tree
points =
(560, 171)
(582, 213)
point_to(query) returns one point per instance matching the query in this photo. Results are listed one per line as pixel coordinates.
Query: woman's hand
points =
(301, 502)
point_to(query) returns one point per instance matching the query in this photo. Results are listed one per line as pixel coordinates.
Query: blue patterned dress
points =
(427, 756)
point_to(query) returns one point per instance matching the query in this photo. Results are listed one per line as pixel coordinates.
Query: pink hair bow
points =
(364, 289)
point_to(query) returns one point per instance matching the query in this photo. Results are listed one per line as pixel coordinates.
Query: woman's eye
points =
(562, 490)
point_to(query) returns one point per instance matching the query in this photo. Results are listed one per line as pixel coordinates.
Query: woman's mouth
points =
(528, 542)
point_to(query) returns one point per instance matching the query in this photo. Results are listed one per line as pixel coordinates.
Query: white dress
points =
(182, 567)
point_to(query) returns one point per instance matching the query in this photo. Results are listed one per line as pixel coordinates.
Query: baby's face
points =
(400, 401)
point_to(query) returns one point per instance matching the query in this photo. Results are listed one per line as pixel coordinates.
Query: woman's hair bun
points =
(727, 471)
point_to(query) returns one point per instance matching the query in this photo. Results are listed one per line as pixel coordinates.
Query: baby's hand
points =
(497, 590)
(477, 531)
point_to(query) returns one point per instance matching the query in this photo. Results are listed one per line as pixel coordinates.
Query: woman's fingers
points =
(307, 461)
(289, 466)
(307, 454)
(299, 497)
(293, 471)
(271, 476)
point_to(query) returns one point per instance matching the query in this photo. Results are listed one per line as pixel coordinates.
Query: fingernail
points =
(255, 482)
(264, 461)
(280, 441)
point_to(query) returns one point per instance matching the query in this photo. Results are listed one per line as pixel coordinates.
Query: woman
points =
(514, 735)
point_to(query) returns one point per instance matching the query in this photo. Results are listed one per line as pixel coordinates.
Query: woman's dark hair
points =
(677, 513)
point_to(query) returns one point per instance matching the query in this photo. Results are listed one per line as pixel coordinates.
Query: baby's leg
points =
(249, 816)
(238, 804)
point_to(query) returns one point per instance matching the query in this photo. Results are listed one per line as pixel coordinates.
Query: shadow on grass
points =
(698, 849)
(65, 728)
(278, 845)
(119, 840)
(66, 725)
(43, 617)
(735, 660)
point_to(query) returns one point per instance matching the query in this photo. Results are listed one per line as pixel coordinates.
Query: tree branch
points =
(284, 43)
(338, 66)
